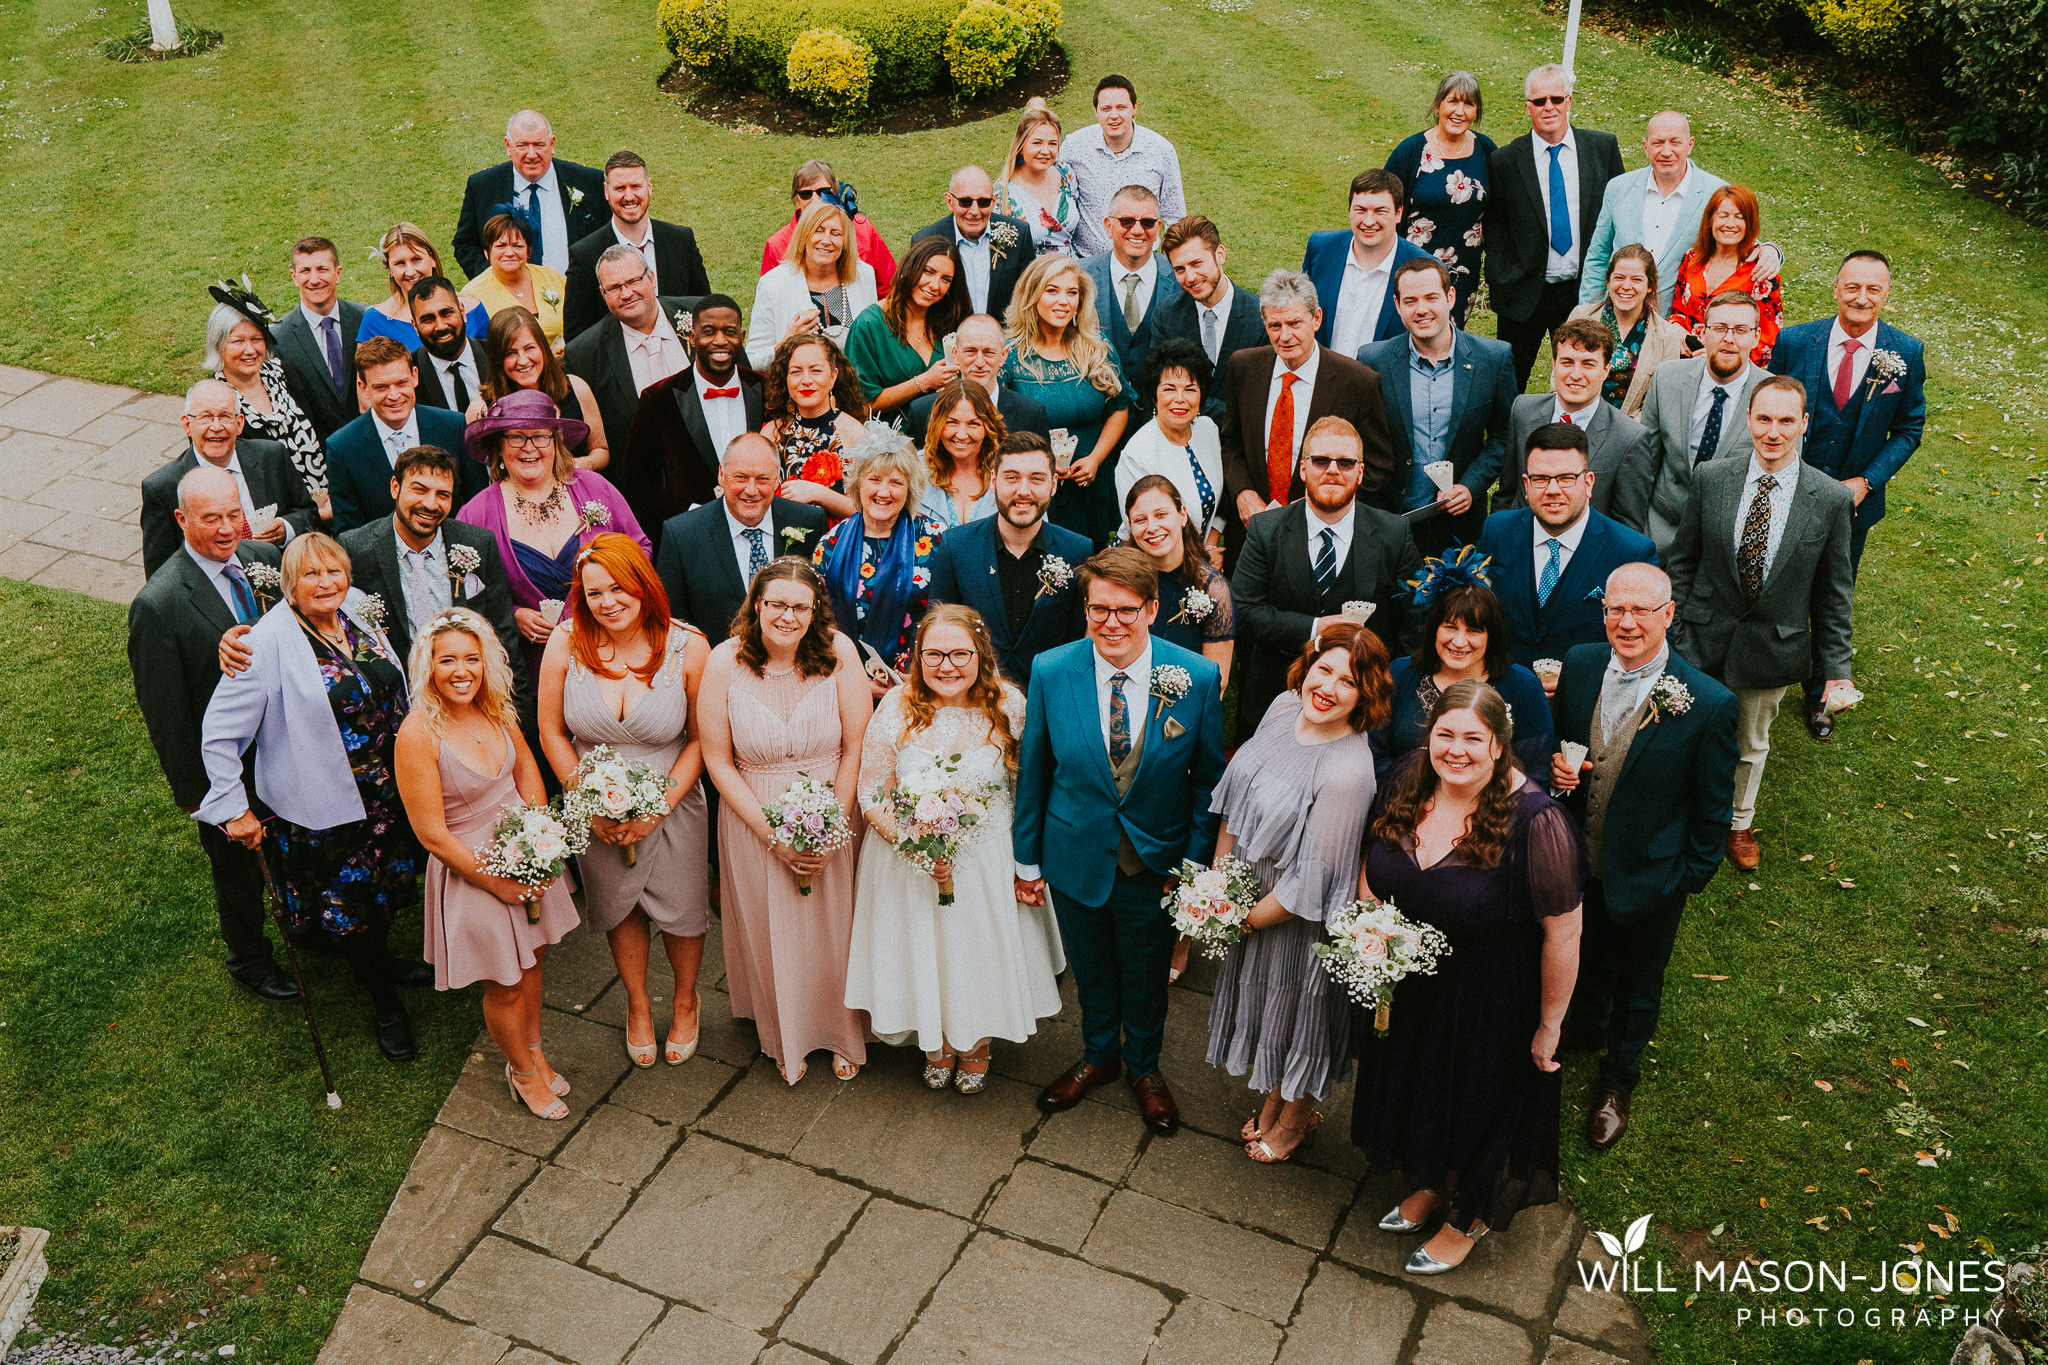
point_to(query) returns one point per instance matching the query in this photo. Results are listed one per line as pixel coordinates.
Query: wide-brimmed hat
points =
(520, 410)
(242, 298)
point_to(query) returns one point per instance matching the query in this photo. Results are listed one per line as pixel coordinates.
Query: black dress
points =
(1451, 1097)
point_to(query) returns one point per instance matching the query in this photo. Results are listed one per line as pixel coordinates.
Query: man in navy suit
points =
(1123, 743)
(994, 248)
(562, 200)
(995, 564)
(1867, 414)
(316, 342)
(1133, 284)
(1450, 396)
(1210, 310)
(710, 554)
(362, 455)
(1552, 555)
(1660, 764)
(1354, 269)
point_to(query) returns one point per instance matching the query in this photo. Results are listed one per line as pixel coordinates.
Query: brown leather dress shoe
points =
(1609, 1121)
(1066, 1092)
(1743, 850)
(1156, 1105)
(1819, 723)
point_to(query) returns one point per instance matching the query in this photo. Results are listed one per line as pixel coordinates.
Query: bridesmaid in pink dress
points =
(786, 698)
(461, 760)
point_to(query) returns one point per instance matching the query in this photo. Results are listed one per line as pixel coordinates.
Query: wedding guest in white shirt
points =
(669, 249)
(993, 247)
(264, 477)
(1210, 309)
(632, 348)
(1115, 151)
(564, 200)
(449, 359)
(710, 554)
(1695, 414)
(1353, 269)
(316, 341)
(685, 423)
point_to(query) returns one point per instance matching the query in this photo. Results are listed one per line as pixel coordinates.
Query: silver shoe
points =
(1422, 1263)
(970, 1082)
(939, 1077)
(1394, 1222)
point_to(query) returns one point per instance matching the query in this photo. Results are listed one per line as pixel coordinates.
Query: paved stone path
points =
(709, 1214)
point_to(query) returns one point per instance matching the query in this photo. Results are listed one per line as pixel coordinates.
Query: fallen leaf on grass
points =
(1806, 857)
(1820, 1222)
(1815, 1189)
(1824, 1085)
(1702, 976)
(1957, 1061)
(1902, 1063)
(1762, 1203)
(1847, 884)
(1938, 1230)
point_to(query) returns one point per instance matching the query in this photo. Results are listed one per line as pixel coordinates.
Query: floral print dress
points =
(1052, 225)
(1627, 351)
(915, 599)
(1690, 296)
(810, 451)
(285, 423)
(1446, 209)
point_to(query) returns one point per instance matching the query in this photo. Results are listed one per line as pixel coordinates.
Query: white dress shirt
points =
(465, 364)
(975, 262)
(724, 417)
(1662, 212)
(429, 569)
(1620, 694)
(554, 224)
(1558, 266)
(1305, 385)
(1567, 542)
(397, 440)
(1340, 535)
(645, 246)
(1578, 417)
(1148, 280)
(1137, 692)
(742, 551)
(653, 355)
(1732, 411)
(1859, 364)
(1211, 319)
(1359, 301)
(1781, 506)
(216, 574)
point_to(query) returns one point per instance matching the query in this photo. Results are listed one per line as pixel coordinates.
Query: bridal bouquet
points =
(618, 789)
(1372, 948)
(807, 818)
(936, 811)
(1211, 904)
(532, 845)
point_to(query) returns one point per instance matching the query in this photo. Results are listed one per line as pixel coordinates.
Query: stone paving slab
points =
(567, 1312)
(456, 1186)
(376, 1328)
(1169, 1245)
(870, 1290)
(1008, 1302)
(1205, 1333)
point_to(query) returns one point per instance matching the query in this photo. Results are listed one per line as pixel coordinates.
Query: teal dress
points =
(880, 358)
(1071, 401)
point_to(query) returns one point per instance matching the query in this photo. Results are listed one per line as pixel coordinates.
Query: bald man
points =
(979, 352)
(274, 502)
(563, 201)
(994, 248)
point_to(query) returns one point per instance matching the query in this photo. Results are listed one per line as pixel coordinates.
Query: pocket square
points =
(1173, 729)
(472, 586)
(1892, 387)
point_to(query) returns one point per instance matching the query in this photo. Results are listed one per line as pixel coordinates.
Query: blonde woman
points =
(877, 563)
(1058, 357)
(460, 760)
(408, 257)
(960, 445)
(1036, 185)
(822, 285)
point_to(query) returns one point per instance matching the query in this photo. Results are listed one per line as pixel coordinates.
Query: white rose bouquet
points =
(618, 789)
(807, 818)
(532, 845)
(1372, 948)
(1210, 905)
(936, 812)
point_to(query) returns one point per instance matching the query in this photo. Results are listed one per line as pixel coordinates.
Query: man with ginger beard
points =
(685, 423)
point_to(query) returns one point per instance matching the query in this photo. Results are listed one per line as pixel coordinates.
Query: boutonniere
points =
(1668, 697)
(575, 197)
(550, 297)
(370, 611)
(463, 562)
(682, 320)
(1001, 238)
(1170, 682)
(1054, 574)
(1195, 607)
(264, 580)
(1885, 366)
(593, 515)
(793, 536)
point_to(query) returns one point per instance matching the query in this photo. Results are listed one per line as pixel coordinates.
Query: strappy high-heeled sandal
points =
(560, 1084)
(1258, 1151)
(973, 1082)
(554, 1111)
(938, 1075)
(675, 1053)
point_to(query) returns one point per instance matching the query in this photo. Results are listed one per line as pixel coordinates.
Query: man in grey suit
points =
(1620, 460)
(263, 473)
(1761, 573)
(199, 593)
(1694, 414)
(1134, 284)
(316, 341)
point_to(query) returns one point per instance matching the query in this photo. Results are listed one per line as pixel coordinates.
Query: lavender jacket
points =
(486, 512)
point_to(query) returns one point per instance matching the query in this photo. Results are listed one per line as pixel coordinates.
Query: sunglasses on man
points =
(1539, 101)
(982, 201)
(1128, 223)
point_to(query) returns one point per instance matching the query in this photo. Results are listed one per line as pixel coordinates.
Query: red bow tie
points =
(732, 392)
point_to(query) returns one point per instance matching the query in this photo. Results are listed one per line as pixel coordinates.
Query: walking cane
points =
(291, 955)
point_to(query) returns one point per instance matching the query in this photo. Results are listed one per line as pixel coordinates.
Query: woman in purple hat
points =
(540, 506)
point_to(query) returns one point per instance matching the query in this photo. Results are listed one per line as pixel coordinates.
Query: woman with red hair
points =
(1720, 262)
(622, 674)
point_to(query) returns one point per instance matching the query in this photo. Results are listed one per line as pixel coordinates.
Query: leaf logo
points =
(1630, 1242)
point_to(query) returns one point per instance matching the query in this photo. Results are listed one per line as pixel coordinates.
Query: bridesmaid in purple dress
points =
(461, 760)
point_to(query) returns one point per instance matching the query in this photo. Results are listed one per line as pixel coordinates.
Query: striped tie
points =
(1326, 563)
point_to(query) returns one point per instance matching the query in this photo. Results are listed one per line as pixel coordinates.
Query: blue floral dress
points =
(354, 876)
(852, 616)
(1446, 209)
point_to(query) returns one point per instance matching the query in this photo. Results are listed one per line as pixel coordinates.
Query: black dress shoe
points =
(400, 972)
(1609, 1121)
(1818, 722)
(273, 986)
(394, 1035)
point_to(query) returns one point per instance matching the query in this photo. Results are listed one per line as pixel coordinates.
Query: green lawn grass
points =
(184, 1137)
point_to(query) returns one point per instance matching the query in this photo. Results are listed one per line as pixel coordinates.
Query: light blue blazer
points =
(280, 703)
(1621, 222)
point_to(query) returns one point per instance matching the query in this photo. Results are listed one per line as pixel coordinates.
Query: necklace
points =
(541, 511)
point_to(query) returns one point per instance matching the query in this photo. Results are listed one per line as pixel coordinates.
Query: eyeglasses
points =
(1343, 464)
(620, 285)
(527, 440)
(958, 658)
(983, 201)
(787, 608)
(1125, 616)
(1723, 329)
(1539, 101)
(213, 419)
(1632, 613)
(1128, 223)
(1540, 482)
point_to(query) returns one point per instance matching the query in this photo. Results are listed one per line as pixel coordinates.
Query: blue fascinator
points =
(1467, 568)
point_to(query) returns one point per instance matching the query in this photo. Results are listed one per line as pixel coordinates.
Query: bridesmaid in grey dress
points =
(624, 674)
(1294, 803)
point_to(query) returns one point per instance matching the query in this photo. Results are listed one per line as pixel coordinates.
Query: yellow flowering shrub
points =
(696, 31)
(1877, 31)
(830, 70)
(1041, 20)
(983, 46)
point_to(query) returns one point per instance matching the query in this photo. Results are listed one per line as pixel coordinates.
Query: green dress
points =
(880, 358)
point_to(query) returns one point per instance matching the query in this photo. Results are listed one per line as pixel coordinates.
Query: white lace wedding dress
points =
(982, 967)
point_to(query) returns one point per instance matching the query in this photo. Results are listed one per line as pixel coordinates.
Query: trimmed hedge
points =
(984, 46)
(830, 70)
(905, 39)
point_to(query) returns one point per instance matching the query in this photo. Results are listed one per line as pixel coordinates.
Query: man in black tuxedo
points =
(408, 559)
(992, 563)
(316, 341)
(683, 424)
(563, 200)
(636, 346)
(200, 591)
(450, 361)
(263, 473)
(710, 554)
(669, 249)
(978, 349)
(1303, 562)
(1548, 186)
(993, 247)
(1210, 311)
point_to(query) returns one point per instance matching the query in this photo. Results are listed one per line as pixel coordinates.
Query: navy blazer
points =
(1878, 432)
(678, 270)
(964, 571)
(1572, 615)
(1243, 326)
(1483, 393)
(1004, 270)
(1068, 811)
(1131, 348)
(1323, 262)
(583, 208)
(700, 570)
(1666, 827)
(359, 469)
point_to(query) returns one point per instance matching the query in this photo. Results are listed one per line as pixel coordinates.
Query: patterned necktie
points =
(1710, 435)
(419, 589)
(1131, 314)
(1619, 698)
(1280, 442)
(1209, 333)
(1756, 539)
(1119, 721)
(238, 588)
(1205, 492)
(460, 389)
(1326, 563)
(1566, 418)
(1547, 583)
(331, 333)
(1845, 377)
(1560, 209)
(394, 446)
(757, 551)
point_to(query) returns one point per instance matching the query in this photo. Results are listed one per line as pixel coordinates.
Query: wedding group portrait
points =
(1010, 682)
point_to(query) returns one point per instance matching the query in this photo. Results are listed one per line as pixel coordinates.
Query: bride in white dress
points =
(952, 977)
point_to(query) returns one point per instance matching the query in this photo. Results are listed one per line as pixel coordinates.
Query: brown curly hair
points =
(1375, 705)
(1486, 829)
(938, 461)
(921, 704)
(846, 391)
(814, 655)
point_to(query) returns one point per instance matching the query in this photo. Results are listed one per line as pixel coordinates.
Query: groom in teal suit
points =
(1123, 742)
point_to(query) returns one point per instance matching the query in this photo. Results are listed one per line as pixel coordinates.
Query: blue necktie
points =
(1710, 435)
(1204, 491)
(1560, 209)
(238, 588)
(1547, 584)
(331, 332)
(1119, 721)
(757, 551)
(1326, 562)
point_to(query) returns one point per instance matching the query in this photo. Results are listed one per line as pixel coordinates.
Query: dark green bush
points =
(1998, 76)
(906, 39)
